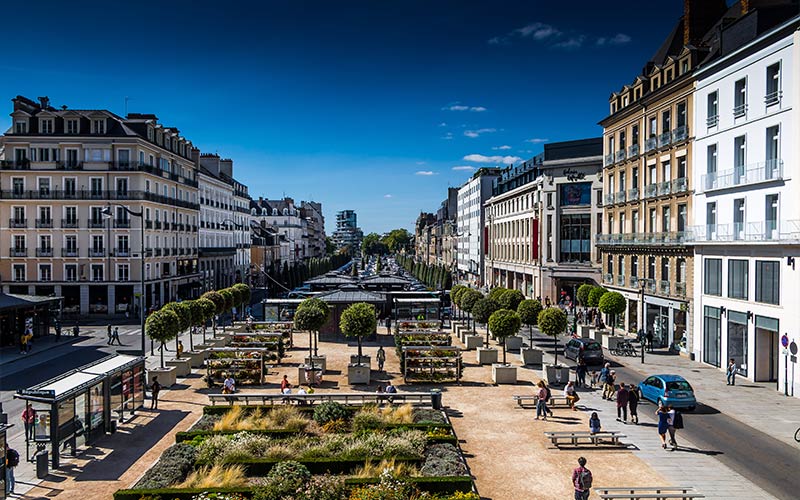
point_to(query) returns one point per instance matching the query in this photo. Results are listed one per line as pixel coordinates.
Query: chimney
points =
(699, 16)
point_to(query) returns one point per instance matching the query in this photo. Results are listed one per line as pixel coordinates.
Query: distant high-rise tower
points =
(347, 231)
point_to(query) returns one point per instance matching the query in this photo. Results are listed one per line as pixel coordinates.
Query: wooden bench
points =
(555, 401)
(349, 398)
(650, 493)
(575, 438)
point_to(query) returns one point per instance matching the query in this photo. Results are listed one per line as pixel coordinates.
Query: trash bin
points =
(42, 464)
(112, 426)
(436, 399)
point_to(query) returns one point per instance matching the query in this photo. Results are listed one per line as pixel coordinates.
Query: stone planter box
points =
(530, 356)
(455, 325)
(486, 355)
(586, 331)
(166, 376)
(203, 347)
(513, 343)
(555, 375)
(464, 333)
(598, 334)
(217, 342)
(473, 341)
(319, 362)
(195, 358)
(610, 342)
(357, 374)
(182, 366)
(365, 360)
(504, 374)
(302, 377)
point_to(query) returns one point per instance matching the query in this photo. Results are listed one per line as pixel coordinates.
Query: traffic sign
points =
(785, 340)
(793, 347)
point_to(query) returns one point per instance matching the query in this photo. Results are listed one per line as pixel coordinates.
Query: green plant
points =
(389, 488)
(162, 326)
(504, 323)
(528, 311)
(336, 426)
(229, 300)
(173, 466)
(216, 476)
(495, 293)
(283, 479)
(209, 309)
(329, 411)
(510, 299)
(612, 303)
(482, 309)
(218, 495)
(443, 460)
(217, 299)
(367, 419)
(311, 315)
(359, 320)
(428, 416)
(594, 296)
(583, 294)
(552, 322)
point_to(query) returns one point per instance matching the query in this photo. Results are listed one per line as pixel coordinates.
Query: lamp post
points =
(241, 267)
(642, 284)
(140, 214)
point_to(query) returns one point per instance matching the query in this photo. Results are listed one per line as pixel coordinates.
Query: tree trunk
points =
(177, 352)
(613, 320)
(555, 344)
(191, 342)
(530, 335)
(487, 335)
(316, 342)
(359, 349)
(161, 349)
(310, 349)
(504, 351)
(204, 333)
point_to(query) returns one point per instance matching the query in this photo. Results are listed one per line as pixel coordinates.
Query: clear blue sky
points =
(375, 106)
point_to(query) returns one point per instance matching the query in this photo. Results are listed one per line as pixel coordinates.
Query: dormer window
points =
(150, 134)
(166, 142)
(274, 211)
(72, 126)
(99, 126)
(21, 127)
(684, 66)
(46, 126)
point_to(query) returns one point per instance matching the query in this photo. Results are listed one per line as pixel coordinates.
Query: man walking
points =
(582, 480)
(622, 403)
(603, 376)
(12, 460)
(115, 336)
(610, 388)
(155, 389)
(633, 404)
(110, 335)
(381, 357)
(731, 372)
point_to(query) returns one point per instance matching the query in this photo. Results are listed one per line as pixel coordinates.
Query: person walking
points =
(650, 340)
(571, 395)
(663, 425)
(594, 423)
(622, 404)
(731, 372)
(115, 336)
(541, 401)
(603, 375)
(155, 389)
(580, 371)
(582, 480)
(381, 357)
(633, 404)
(58, 331)
(610, 388)
(110, 335)
(12, 461)
(29, 419)
(675, 422)
(388, 325)
(180, 349)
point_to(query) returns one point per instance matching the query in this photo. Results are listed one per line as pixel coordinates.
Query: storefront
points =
(666, 320)
(417, 308)
(20, 312)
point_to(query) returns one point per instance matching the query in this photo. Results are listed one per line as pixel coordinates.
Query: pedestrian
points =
(731, 372)
(58, 331)
(29, 419)
(110, 335)
(594, 423)
(23, 343)
(549, 397)
(381, 357)
(633, 404)
(663, 425)
(390, 389)
(12, 461)
(610, 387)
(622, 403)
(28, 341)
(389, 325)
(675, 422)
(582, 480)
(115, 336)
(580, 371)
(541, 401)
(155, 389)
(603, 376)
(285, 385)
(229, 385)
(180, 349)
(571, 395)
(650, 340)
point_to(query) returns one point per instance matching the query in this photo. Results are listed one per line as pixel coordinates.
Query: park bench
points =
(649, 493)
(350, 398)
(555, 401)
(575, 438)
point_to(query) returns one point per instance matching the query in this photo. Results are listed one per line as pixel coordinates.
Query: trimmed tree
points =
(495, 293)
(244, 294)
(184, 320)
(528, 311)
(217, 299)
(228, 296)
(612, 303)
(583, 294)
(162, 326)
(552, 322)
(324, 310)
(594, 296)
(482, 310)
(510, 299)
(197, 317)
(504, 323)
(310, 318)
(468, 299)
(209, 311)
(359, 320)
(455, 294)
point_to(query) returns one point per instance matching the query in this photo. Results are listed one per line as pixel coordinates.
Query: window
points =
(71, 243)
(72, 158)
(652, 227)
(97, 244)
(610, 264)
(664, 268)
(621, 265)
(45, 272)
(738, 219)
(123, 244)
(44, 187)
(711, 220)
(665, 221)
(740, 98)
(19, 215)
(712, 277)
(18, 186)
(680, 115)
(97, 272)
(635, 178)
(666, 121)
(622, 144)
(681, 270)
(737, 339)
(19, 272)
(72, 126)
(635, 221)
(99, 126)
(635, 135)
(70, 272)
(712, 109)
(712, 328)
(46, 126)
(652, 127)
(768, 282)
(682, 218)
(96, 185)
(772, 169)
(771, 217)
(123, 272)
(635, 265)
(739, 159)
(681, 167)
(652, 173)
(773, 95)
(45, 242)
(737, 279)
(651, 268)
(21, 127)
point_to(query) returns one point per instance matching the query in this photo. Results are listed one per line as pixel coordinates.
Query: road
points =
(762, 459)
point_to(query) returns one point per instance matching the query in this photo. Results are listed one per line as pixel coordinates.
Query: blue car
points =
(668, 390)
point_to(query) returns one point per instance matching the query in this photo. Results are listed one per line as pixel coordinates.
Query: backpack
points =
(547, 392)
(12, 457)
(677, 420)
(585, 479)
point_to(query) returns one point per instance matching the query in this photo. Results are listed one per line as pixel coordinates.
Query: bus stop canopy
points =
(109, 365)
(60, 388)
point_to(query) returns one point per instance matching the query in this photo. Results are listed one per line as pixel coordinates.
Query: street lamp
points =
(237, 226)
(642, 284)
(107, 213)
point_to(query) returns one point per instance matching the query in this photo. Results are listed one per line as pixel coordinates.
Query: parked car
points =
(591, 349)
(668, 390)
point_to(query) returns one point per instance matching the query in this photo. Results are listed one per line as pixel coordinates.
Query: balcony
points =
(44, 223)
(18, 223)
(609, 159)
(619, 197)
(69, 165)
(122, 223)
(620, 156)
(44, 252)
(664, 188)
(158, 224)
(767, 171)
(633, 282)
(664, 139)
(740, 110)
(97, 252)
(645, 239)
(608, 199)
(650, 144)
(712, 121)
(158, 252)
(650, 285)
(663, 287)
(651, 190)
(620, 280)
(97, 224)
(69, 224)
(680, 185)
(69, 252)
(633, 150)
(680, 289)
(23, 164)
(633, 194)
(770, 230)
(608, 278)
(773, 98)
(680, 134)
(18, 252)
(122, 252)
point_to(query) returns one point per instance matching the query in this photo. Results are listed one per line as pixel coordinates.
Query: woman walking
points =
(633, 404)
(541, 402)
(663, 425)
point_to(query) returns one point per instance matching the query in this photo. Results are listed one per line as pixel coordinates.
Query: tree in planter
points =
(510, 299)
(612, 303)
(528, 311)
(455, 293)
(359, 320)
(184, 320)
(504, 323)
(198, 317)
(219, 305)
(482, 310)
(209, 311)
(594, 296)
(552, 322)
(162, 326)
(467, 299)
(244, 296)
(311, 315)
(322, 306)
(237, 299)
(228, 296)
(495, 293)
(583, 294)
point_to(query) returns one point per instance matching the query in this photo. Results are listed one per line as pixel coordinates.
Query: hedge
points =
(175, 493)
(183, 436)
(259, 467)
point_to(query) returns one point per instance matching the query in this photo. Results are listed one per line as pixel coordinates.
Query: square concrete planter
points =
(464, 333)
(513, 343)
(504, 374)
(610, 342)
(555, 375)
(319, 362)
(303, 373)
(217, 342)
(486, 355)
(195, 358)
(473, 341)
(586, 331)
(166, 376)
(357, 374)
(598, 334)
(530, 356)
(182, 366)
(365, 360)
(203, 347)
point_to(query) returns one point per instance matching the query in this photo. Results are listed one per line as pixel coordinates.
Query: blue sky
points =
(375, 106)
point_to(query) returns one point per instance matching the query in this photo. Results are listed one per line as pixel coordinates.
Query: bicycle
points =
(797, 435)
(624, 348)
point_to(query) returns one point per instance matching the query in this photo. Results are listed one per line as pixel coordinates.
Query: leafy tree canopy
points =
(510, 299)
(612, 303)
(528, 311)
(552, 321)
(594, 296)
(583, 293)
(468, 298)
(504, 323)
(483, 309)
(162, 325)
(359, 320)
(217, 299)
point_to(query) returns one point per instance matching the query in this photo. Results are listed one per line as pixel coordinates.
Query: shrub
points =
(211, 495)
(228, 296)
(443, 460)
(283, 479)
(217, 299)
(594, 296)
(428, 416)
(324, 487)
(173, 466)
(389, 488)
(495, 293)
(336, 426)
(612, 303)
(510, 299)
(217, 476)
(329, 411)
(483, 308)
(367, 419)
(583, 293)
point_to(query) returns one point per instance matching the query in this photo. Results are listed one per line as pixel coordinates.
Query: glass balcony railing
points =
(620, 156)
(664, 139)
(633, 150)
(680, 289)
(609, 159)
(619, 197)
(633, 194)
(650, 144)
(766, 171)
(651, 190)
(680, 185)
(680, 133)
(663, 287)
(664, 188)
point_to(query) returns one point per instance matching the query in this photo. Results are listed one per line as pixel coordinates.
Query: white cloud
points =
(618, 39)
(478, 132)
(421, 163)
(457, 106)
(447, 136)
(502, 148)
(387, 196)
(464, 167)
(537, 140)
(425, 172)
(443, 124)
(557, 38)
(574, 42)
(537, 31)
(477, 158)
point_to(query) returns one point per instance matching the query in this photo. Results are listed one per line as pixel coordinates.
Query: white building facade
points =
(470, 219)
(747, 208)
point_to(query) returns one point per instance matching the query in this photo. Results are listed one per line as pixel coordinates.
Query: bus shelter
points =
(75, 408)
(417, 308)
(280, 309)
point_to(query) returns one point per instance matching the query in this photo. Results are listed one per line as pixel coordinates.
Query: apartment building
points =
(313, 229)
(242, 231)
(347, 233)
(470, 218)
(284, 219)
(747, 214)
(72, 185)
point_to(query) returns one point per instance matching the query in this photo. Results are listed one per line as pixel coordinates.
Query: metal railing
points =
(619, 197)
(23, 164)
(680, 289)
(620, 156)
(680, 185)
(608, 199)
(633, 150)
(97, 224)
(650, 144)
(44, 223)
(651, 190)
(18, 223)
(712, 121)
(773, 98)
(122, 252)
(18, 252)
(766, 171)
(44, 252)
(664, 139)
(660, 238)
(620, 280)
(664, 188)
(740, 110)
(680, 133)
(97, 252)
(69, 224)
(122, 223)
(69, 252)
(609, 160)
(633, 194)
